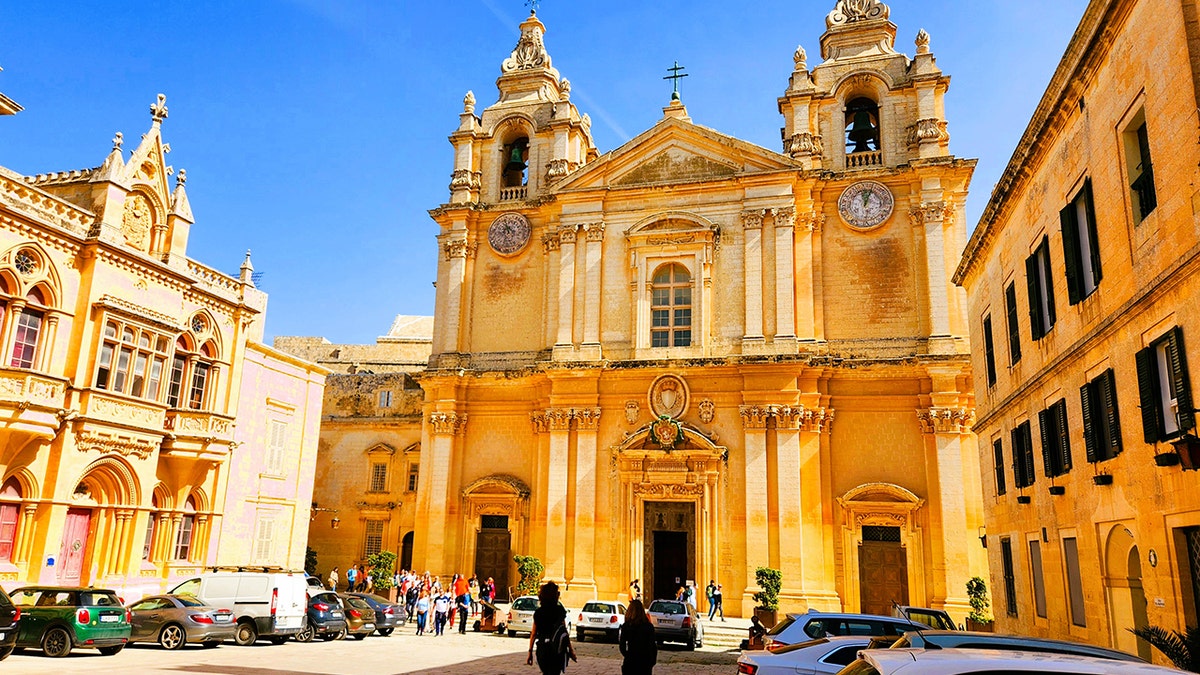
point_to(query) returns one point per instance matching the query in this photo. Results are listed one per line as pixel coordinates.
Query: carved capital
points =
(785, 218)
(448, 423)
(465, 179)
(946, 420)
(754, 416)
(459, 248)
(550, 242)
(931, 212)
(567, 235)
(752, 220)
(558, 419)
(812, 221)
(588, 419)
(595, 231)
(804, 145)
(929, 130)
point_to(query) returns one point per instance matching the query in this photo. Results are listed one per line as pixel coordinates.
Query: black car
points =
(9, 615)
(326, 618)
(388, 615)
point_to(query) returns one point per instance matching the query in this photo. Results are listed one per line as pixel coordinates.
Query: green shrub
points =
(770, 581)
(977, 593)
(383, 568)
(310, 560)
(531, 570)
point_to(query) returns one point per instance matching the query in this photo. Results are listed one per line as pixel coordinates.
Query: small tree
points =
(770, 581)
(383, 566)
(310, 560)
(977, 593)
(1183, 649)
(531, 570)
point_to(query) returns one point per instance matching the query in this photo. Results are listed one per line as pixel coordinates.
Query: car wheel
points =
(360, 636)
(278, 639)
(691, 643)
(579, 635)
(306, 633)
(340, 635)
(246, 634)
(110, 651)
(172, 636)
(386, 631)
(512, 633)
(56, 642)
(4, 652)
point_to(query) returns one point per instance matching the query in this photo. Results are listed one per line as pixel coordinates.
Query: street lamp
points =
(333, 523)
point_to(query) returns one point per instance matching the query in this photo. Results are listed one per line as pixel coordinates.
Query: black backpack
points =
(554, 650)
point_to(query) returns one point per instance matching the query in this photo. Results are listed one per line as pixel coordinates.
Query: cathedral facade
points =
(693, 356)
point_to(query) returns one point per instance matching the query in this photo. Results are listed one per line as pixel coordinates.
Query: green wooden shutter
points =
(1014, 330)
(1035, 298)
(1064, 436)
(1048, 280)
(1093, 237)
(1070, 239)
(1089, 425)
(1148, 394)
(1048, 441)
(1108, 389)
(998, 457)
(1017, 463)
(989, 350)
(1179, 381)
(1027, 448)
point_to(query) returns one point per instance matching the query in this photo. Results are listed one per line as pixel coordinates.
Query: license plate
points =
(222, 618)
(596, 620)
(369, 626)
(336, 615)
(109, 618)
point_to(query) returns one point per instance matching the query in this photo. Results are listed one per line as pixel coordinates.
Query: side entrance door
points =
(883, 570)
(74, 547)
(492, 553)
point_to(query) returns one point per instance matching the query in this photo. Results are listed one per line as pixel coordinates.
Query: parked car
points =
(823, 656)
(965, 661)
(264, 604)
(57, 619)
(961, 639)
(811, 625)
(175, 620)
(360, 617)
(676, 621)
(388, 615)
(604, 617)
(934, 618)
(315, 584)
(10, 615)
(520, 614)
(326, 618)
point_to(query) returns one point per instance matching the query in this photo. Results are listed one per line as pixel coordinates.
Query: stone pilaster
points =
(752, 231)
(583, 576)
(754, 426)
(944, 429)
(558, 421)
(809, 225)
(785, 289)
(594, 291)
(566, 290)
(434, 503)
(933, 218)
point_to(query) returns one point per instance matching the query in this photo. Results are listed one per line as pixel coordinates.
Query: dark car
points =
(326, 618)
(388, 615)
(9, 616)
(175, 620)
(57, 620)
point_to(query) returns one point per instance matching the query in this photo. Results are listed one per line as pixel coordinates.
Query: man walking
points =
(716, 604)
(351, 576)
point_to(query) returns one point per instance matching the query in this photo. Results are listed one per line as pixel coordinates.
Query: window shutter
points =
(998, 457)
(1089, 425)
(1070, 238)
(1035, 298)
(1093, 238)
(1179, 380)
(1148, 397)
(989, 350)
(1014, 331)
(1048, 280)
(1064, 436)
(1108, 389)
(1018, 459)
(1048, 448)
(1027, 449)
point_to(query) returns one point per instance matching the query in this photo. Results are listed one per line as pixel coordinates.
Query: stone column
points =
(787, 462)
(550, 246)
(24, 544)
(456, 249)
(125, 545)
(583, 577)
(45, 355)
(752, 229)
(162, 538)
(785, 288)
(810, 223)
(559, 422)
(932, 217)
(595, 292)
(951, 564)
(754, 423)
(446, 426)
(566, 288)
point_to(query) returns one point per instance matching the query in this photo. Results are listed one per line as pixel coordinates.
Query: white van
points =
(265, 604)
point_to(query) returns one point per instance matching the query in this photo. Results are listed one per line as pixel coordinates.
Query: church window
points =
(29, 326)
(1014, 330)
(131, 360)
(671, 307)
(862, 126)
(1056, 440)
(1081, 247)
(989, 350)
(1101, 421)
(26, 263)
(1140, 169)
(1041, 291)
(1164, 389)
(1022, 444)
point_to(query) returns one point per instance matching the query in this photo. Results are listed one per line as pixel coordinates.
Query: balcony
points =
(31, 402)
(197, 433)
(862, 160)
(510, 194)
(121, 411)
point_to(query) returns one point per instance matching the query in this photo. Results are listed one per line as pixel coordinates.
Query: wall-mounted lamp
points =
(983, 535)
(334, 523)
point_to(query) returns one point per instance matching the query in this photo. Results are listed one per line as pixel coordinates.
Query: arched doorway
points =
(882, 546)
(1126, 597)
(406, 551)
(100, 510)
(496, 510)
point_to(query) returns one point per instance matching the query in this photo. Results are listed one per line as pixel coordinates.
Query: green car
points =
(57, 620)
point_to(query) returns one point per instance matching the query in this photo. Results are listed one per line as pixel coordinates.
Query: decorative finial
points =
(246, 271)
(564, 88)
(922, 42)
(166, 148)
(801, 58)
(118, 140)
(181, 179)
(158, 111)
(850, 11)
(469, 102)
(533, 6)
(675, 76)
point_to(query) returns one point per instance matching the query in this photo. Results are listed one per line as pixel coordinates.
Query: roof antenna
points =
(916, 629)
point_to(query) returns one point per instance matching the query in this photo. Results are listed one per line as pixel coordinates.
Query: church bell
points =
(515, 162)
(862, 132)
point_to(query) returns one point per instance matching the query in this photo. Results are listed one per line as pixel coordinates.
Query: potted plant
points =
(382, 567)
(980, 617)
(770, 581)
(531, 570)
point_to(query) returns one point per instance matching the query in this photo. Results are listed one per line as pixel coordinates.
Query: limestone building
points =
(138, 410)
(692, 356)
(1082, 278)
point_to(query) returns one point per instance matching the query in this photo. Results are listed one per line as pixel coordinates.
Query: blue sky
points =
(315, 132)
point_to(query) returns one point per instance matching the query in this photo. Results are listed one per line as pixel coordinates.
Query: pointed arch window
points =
(187, 526)
(29, 329)
(193, 375)
(671, 307)
(151, 526)
(10, 508)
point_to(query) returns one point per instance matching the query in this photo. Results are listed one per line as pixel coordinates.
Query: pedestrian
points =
(635, 590)
(441, 612)
(491, 590)
(333, 579)
(422, 608)
(351, 575)
(690, 594)
(473, 590)
(636, 641)
(717, 604)
(464, 606)
(549, 637)
(368, 583)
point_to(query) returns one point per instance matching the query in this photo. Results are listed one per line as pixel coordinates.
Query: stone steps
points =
(728, 634)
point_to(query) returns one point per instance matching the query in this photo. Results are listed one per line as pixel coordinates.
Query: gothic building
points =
(693, 356)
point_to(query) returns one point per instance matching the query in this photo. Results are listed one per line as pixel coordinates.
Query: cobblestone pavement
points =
(403, 652)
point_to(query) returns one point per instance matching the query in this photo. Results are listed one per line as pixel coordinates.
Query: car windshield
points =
(664, 607)
(358, 603)
(599, 608)
(931, 619)
(189, 601)
(525, 604)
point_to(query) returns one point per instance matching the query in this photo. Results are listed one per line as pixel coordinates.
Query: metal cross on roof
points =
(533, 5)
(675, 76)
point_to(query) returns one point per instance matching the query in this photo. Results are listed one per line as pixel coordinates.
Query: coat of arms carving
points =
(137, 221)
(668, 396)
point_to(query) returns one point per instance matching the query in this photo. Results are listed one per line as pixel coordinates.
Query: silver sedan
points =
(175, 620)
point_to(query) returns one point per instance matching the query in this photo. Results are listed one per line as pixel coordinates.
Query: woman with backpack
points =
(549, 637)
(636, 641)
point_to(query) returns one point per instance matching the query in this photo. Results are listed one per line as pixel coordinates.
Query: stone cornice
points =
(559, 419)
(132, 310)
(30, 201)
(797, 417)
(946, 420)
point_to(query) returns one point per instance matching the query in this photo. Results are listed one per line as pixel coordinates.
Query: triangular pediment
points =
(675, 151)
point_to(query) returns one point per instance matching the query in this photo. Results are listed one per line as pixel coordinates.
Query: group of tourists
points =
(427, 600)
(358, 579)
(687, 594)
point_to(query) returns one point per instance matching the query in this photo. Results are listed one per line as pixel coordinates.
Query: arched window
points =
(193, 373)
(516, 154)
(10, 507)
(29, 327)
(671, 307)
(187, 525)
(151, 522)
(862, 126)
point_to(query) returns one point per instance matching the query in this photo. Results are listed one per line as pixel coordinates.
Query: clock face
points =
(866, 204)
(509, 233)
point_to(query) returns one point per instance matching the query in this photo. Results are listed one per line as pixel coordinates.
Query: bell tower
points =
(529, 138)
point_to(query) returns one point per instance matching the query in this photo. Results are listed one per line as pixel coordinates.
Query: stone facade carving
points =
(119, 411)
(568, 234)
(784, 217)
(550, 242)
(137, 221)
(929, 130)
(754, 416)
(595, 231)
(447, 423)
(849, 11)
(469, 102)
(530, 53)
(557, 168)
(752, 220)
(708, 411)
(668, 396)
(922, 42)
(895, 519)
(87, 441)
(800, 57)
(813, 420)
(668, 489)
(946, 420)
(559, 419)
(459, 248)
(632, 411)
(804, 145)
(812, 221)
(667, 240)
(465, 179)
(587, 419)
(930, 212)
